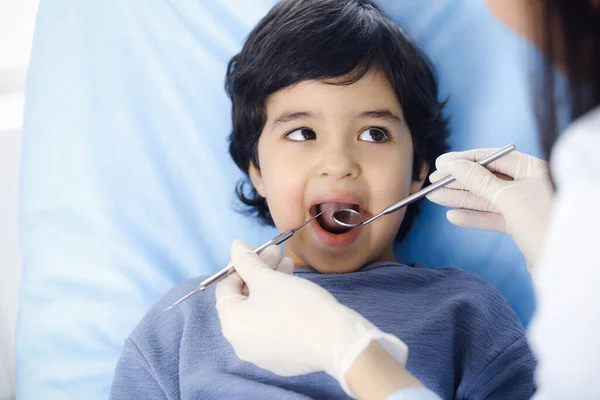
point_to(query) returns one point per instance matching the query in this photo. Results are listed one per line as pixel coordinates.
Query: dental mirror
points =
(349, 218)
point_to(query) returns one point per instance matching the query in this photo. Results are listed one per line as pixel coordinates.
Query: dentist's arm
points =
(377, 375)
(313, 331)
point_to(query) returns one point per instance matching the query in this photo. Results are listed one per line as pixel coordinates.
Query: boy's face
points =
(330, 146)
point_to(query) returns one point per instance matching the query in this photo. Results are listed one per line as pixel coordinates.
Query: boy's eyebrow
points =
(290, 116)
(381, 114)
(378, 114)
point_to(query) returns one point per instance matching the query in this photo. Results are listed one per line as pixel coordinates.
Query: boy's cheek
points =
(286, 204)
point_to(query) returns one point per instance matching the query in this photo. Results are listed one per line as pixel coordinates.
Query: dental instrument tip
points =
(184, 298)
(308, 222)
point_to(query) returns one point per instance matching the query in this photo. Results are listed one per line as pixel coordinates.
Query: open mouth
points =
(326, 220)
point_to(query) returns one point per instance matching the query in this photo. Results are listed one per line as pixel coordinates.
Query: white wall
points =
(17, 19)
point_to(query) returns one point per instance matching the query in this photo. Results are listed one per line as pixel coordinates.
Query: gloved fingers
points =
(248, 264)
(441, 174)
(460, 199)
(486, 221)
(271, 256)
(281, 369)
(438, 175)
(513, 164)
(230, 289)
(534, 167)
(229, 304)
(286, 265)
(477, 179)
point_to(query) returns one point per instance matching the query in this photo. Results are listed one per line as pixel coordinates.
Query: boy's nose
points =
(339, 163)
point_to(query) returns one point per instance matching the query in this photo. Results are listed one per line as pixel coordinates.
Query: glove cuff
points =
(394, 346)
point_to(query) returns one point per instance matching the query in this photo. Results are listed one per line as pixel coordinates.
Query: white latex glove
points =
(291, 326)
(515, 199)
(272, 257)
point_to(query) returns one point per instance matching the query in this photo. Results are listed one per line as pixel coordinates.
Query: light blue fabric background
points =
(127, 186)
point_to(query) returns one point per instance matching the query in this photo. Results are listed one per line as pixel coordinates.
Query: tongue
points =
(326, 220)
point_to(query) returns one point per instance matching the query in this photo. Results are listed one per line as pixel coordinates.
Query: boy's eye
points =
(302, 134)
(375, 135)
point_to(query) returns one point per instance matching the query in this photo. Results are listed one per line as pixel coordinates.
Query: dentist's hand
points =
(272, 257)
(516, 198)
(291, 326)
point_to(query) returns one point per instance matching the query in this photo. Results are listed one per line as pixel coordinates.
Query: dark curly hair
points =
(301, 40)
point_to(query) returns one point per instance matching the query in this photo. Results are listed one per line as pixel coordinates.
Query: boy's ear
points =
(417, 185)
(256, 178)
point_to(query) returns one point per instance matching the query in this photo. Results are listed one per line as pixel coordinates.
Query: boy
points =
(333, 107)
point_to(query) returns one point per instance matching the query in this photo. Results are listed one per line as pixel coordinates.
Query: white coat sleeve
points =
(565, 331)
(414, 394)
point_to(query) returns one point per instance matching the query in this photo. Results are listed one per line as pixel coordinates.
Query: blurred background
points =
(17, 19)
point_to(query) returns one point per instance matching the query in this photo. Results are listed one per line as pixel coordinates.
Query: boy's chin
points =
(341, 266)
(340, 263)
